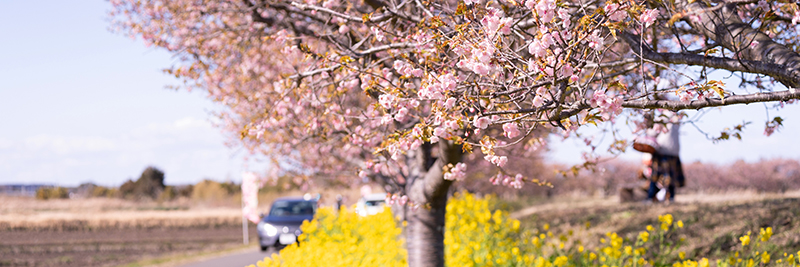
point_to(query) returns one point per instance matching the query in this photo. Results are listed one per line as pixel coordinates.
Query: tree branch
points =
(790, 77)
(714, 102)
(726, 28)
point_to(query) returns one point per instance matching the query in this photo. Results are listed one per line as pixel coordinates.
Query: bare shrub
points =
(208, 191)
(149, 185)
(45, 193)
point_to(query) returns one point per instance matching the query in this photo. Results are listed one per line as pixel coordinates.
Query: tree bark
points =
(425, 228)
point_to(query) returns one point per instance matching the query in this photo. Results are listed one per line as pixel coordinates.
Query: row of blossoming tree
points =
(397, 91)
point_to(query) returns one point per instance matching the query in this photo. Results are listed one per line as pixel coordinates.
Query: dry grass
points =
(19, 213)
(713, 221)
(71, 220)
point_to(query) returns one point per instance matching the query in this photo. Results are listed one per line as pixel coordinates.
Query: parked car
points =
(371, 204)
(281, 226)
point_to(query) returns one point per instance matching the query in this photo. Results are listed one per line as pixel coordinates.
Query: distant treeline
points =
(148, 187)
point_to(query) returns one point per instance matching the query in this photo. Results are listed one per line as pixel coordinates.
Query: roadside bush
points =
(209, 191)
(99, 191)
(45, 193)
(184, 190)
(168, 194)
(149, 185)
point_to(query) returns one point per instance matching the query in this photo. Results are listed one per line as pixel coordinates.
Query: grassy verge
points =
(712, 227)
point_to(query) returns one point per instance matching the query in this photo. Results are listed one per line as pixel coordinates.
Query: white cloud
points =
(68, 144)
(187, 150)
(5, 143)
(191, 123)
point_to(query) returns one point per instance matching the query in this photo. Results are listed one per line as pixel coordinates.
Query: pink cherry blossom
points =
(450, 103)
(546, 9)
(481, 123)
(763, 5)
(387, 100)
(457, 173)
(615, 12)
(596, 41)
(686, 96)
(537, 49)
(511, 130)
(648, 17)
(401, 114)
(344, 29)
(403, 200)
(796, 17)
(378, 34)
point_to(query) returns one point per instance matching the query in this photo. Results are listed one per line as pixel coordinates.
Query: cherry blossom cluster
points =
(609, 106)
(456, 173)
(401, 200)
(332, 86)
(515, 182)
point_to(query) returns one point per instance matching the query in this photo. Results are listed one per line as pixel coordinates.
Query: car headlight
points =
(271, 230)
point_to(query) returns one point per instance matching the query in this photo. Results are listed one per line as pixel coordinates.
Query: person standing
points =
(666, 164)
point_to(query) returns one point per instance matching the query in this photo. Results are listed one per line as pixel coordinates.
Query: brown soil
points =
(112, 247)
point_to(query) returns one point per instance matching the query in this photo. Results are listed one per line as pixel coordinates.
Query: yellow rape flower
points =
(680, 224)
(765, 258)
(665, 219)
(745, 239)
(766, 234)
(560, 261)
(702, 263)
(644, 236)
(682, 255)
(650, 228)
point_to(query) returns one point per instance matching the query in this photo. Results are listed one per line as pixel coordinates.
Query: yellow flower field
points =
(478, 234)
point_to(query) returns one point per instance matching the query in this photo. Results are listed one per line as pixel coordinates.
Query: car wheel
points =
(264, 248)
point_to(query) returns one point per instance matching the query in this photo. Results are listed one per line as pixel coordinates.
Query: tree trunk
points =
(425, 228)
(425, 234)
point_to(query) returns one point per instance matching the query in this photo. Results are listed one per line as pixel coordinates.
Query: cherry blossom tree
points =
(397, 91)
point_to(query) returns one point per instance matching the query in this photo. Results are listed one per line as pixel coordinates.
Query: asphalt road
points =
(233, 260)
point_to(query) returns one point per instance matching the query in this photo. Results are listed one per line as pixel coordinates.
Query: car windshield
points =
(292, 208)
(373, 203)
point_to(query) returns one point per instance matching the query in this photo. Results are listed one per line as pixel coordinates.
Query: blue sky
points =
(79, 103)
